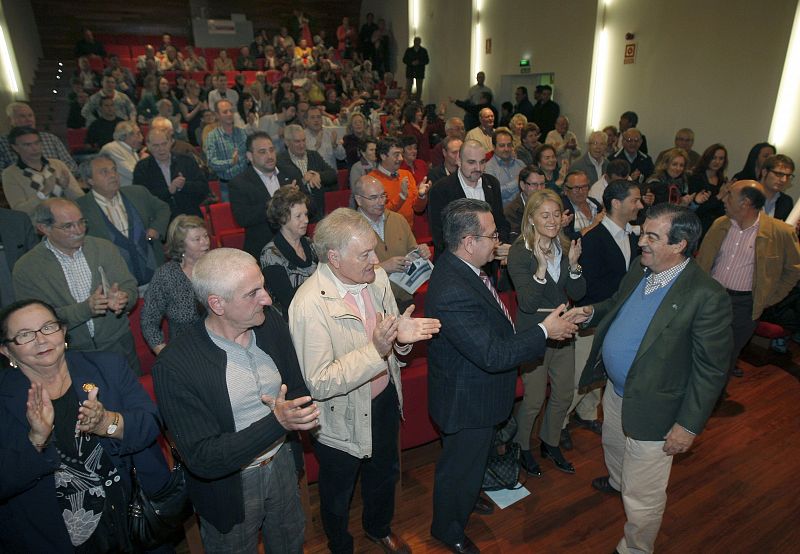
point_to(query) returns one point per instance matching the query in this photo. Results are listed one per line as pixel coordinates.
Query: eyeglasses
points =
(579, 187)
(528, 183)
(494, 236)
(374, 197)
(28, 336)
(782, 175)
(629, 140)
(72, 225)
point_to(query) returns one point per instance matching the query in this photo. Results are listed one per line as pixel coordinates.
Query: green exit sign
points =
(524, 63)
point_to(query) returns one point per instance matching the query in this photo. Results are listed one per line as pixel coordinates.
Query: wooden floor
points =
(736, 491)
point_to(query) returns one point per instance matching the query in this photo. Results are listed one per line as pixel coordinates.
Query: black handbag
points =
(502, 467)
(158, 518)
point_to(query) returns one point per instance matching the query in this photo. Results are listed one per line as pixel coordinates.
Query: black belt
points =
(739, 292)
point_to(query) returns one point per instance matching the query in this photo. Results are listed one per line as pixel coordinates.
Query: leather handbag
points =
(158, 518)
(502, 467)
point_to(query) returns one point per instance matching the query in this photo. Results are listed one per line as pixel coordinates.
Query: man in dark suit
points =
(307, 169)
(252, 190)
(130, 217)
(468, 182)
(776, 176)
(662, 341)
(172, 178)
(472, 364)
(16, 238)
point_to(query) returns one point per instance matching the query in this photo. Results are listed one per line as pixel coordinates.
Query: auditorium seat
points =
(336, 199)
(146, 356)
(76, 139)
(121, 50)
(416, 429)
(343, 178)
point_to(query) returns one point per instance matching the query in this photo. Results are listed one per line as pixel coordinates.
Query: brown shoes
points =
(391, 544)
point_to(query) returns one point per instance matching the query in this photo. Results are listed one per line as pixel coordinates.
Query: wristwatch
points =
(113, 427)
(577, 270)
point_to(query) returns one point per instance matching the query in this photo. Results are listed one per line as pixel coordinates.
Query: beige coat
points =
(777, 265)
(338, 360)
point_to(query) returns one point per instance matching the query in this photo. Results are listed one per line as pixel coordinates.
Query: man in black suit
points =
(776, 176)
(16, 238)
(252, 190)
(468, 182)
(187, 187)
(606, 256)
(307, 169)
(472, 364)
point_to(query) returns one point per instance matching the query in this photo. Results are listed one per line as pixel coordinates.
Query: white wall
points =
(713, 65)
(24, 36)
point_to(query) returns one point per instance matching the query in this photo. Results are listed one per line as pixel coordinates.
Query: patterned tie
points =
(488, 283)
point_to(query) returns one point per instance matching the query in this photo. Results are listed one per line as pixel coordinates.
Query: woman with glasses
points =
(170, 292)
(708, 176)
(78, 423)
(544, 268)
(289, 259)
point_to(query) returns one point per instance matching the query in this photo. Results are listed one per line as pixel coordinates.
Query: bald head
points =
(743, 202)
(486, 116)
(631, 141)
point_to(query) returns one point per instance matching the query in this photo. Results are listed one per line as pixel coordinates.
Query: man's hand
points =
(649, 198)
(117, 299)
(415, 329)
(385, 333)
(395, 264)
(177, 183)
(152, 234)
(404, 188)
(558, 326)
(501, 252)
(702, 196)
(290, 413)
(575, 250)
(424, 251)
(423, 187)
(566, 218)
(313, 179)
(635, 174)
(579, 314)
(98, 302)
(678, 440)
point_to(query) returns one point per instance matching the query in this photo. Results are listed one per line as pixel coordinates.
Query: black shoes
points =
(530, 465)
(566, 440)
(592, 425)
(554, 453)
(464, 546)
(483, 507)
(602, 484)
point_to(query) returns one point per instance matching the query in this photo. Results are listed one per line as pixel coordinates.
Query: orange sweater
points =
(413, 203)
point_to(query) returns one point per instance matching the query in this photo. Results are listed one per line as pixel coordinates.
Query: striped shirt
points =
(114, 210)
(52, 147)
(734, 265)
(219, 147)
(250, 373)
(78, 275)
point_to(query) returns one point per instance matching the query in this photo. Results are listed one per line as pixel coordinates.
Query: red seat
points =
(273, 76)
(76, 139)
(336, 199)
(416, 429)
(230, 77)
(121, 50)
(343, 178)
(770, 330)
(509, 298)
(310, 458)
(146, 356)
(223, 222)
(214, 187)
(422, 229)
(137, 49)
(232, 239)
(96, 63)
(249, 77)
(170, 76)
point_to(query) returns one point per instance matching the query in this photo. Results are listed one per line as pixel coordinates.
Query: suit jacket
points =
(472, 362)
(185, 201)
(783, 207)
(39, 275)
(585, 164)
(125, 159)
(682, 363)
(449, 189)
(316, 163)
(17, 235)
(777, 264)
(514, 211)
(249, 200)
(569, 230)
(154, 214)
(603, 264)
(31, 514)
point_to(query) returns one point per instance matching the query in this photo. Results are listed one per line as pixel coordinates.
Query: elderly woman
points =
(358, 129)
(516, 125)
(545, 272)
(529, 137)
(368, 160)
(80, 423)
(289, 259)
(170, 292)
(546, 159)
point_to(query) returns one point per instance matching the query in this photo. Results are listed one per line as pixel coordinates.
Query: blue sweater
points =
(627, 331)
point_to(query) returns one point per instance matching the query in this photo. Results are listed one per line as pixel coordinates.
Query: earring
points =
(66, 345)
(13, 363)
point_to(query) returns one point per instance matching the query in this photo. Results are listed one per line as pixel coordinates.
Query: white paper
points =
(506, 497)
(415, 276)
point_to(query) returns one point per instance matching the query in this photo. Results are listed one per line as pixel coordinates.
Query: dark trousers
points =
(458, 480)
(338, 472)
(743, 324)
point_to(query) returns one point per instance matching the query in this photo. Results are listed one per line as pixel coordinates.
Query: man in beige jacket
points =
(347, 331)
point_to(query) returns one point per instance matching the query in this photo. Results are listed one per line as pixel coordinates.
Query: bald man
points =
(641, 164)
(594, 161)
(754, 256)
(484, 132)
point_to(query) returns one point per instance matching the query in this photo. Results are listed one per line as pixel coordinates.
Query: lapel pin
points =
(88, 387)
(674, 306)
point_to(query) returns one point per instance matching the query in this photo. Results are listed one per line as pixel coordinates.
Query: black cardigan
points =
(189, 379)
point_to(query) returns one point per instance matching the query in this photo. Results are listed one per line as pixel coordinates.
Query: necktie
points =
(488, 283)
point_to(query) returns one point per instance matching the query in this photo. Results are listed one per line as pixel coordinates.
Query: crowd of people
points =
(637, 285)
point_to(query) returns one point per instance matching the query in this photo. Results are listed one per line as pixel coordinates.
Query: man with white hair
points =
(484, 132)
(594, 161)
(347, 331)
(229, 389)
(20, 114)
(124, 150)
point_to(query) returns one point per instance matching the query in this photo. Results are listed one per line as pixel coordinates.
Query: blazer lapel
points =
(475, 282)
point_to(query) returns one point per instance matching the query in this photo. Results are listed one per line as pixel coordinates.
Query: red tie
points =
(488, 283)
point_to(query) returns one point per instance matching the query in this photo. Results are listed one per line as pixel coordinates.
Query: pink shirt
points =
(735, 262)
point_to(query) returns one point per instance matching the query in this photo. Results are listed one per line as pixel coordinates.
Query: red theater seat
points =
(417, 428)
(336, 199)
